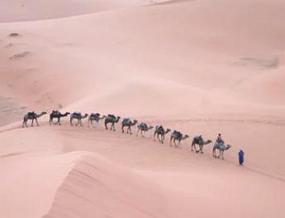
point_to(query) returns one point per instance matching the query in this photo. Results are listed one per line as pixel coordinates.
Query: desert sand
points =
(202, 67)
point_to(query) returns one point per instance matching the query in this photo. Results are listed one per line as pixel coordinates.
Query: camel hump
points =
(55, 112)
(179, 134)
(143, 125)
(31, 113)
(160, 127)
(77, 114)
(112, 116)
(198, 137)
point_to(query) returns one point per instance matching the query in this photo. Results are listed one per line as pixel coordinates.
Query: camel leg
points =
(23, 124)
(70, 121)
(162, 139)
(214, 156)
(192, 146)
(130, 131)
(37, 122)
(201, 149)
(58, 121)
(197, 151)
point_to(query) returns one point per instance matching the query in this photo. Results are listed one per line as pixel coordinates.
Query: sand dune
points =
(26, 10)
(103, 191)
(201, 67)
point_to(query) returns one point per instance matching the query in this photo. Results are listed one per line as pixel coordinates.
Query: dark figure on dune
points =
(177, 136)
(77, 116)
(160, 133)
(142, 128)
(110, 118)
(198, 140)
(128, 123)
(95, 117)
(56, 115)
(241, 157)
(32, 116)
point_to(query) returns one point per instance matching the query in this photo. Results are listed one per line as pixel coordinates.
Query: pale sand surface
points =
(201, 67)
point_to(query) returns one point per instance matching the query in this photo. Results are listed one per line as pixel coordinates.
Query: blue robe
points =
(241, 157)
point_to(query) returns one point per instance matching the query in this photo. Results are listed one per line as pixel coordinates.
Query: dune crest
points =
(94, 187)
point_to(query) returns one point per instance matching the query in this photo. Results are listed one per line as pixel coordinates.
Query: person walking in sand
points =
(241, 157)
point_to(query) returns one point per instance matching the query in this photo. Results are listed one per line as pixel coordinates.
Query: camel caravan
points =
(110, 121)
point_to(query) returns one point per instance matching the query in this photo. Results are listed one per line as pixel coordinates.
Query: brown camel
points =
(77, 116)
(142, 128)
(198, 140)
(56, 115)
(177, 136)
(95, 117)
(128, 123)
(110, 118)
(32, 116)
(160, 133)
(221, 147)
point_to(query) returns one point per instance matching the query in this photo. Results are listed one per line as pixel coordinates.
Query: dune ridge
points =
(103, 190)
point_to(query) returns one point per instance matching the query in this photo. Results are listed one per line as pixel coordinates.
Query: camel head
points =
(41, 114)
(227, 147)
(66, 114)
(103, 117)
(135, 122)
(208, 141)
(118, 118)
(150, 127)
(167, 131)
(185, 137)
(85, 115)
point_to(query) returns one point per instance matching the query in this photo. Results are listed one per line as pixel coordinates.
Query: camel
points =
(110, 118)
(160, 133)
(128, 123)
(95, 117)
(142, 128)
(198, 140)
(32, 116)
(221, 147)
(177, 136)
(77, 116)
(56, 115)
